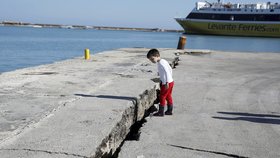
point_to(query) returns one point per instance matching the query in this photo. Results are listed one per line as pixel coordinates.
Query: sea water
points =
(22, 47)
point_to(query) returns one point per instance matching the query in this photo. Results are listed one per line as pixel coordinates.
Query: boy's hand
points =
(166, 86)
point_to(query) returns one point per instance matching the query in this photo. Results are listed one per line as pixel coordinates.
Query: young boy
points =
(166, 84)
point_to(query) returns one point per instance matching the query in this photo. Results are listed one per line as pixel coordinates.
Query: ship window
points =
(233, 17)
(271, 10)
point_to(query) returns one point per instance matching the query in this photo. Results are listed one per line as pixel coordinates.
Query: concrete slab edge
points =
(135, 113)
(132, 114)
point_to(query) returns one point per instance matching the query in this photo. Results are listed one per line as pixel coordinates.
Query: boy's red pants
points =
(166, 94)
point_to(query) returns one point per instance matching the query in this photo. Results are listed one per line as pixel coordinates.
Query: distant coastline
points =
(24, 24)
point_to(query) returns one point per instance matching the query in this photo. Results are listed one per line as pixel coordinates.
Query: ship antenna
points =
(209, 3)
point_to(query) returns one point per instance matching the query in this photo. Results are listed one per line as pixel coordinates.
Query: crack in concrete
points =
(33, 123)
(111, 144)
(45, 151)
(208, 151)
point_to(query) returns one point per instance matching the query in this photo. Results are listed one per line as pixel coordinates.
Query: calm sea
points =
(22, 47)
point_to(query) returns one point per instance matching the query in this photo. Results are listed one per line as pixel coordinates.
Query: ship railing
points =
(235, 7)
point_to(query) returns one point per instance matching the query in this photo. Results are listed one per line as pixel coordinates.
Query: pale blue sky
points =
(125, 13)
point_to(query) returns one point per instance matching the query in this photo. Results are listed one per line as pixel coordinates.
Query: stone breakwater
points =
(25, 24)
(77, 107)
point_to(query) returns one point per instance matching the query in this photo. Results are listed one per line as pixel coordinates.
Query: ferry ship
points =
(218, 18)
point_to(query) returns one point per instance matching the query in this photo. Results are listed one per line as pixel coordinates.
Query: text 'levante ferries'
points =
(259, 19)
(242, 27)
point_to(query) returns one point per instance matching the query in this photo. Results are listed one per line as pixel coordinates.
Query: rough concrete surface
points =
(227, 104)
(75, 108)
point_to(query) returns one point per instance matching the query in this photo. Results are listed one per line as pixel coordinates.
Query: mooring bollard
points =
(87, 54)
(182, 42)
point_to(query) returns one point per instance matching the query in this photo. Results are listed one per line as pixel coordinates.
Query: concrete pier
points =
(226, 105)
(77, 107)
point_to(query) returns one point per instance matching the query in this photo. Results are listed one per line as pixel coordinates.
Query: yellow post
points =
(87, 54)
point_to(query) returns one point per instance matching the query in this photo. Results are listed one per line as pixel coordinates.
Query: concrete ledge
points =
(76, 108)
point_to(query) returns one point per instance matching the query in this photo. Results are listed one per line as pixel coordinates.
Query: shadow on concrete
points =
(249, 114)
(255, 118)
(133, 99)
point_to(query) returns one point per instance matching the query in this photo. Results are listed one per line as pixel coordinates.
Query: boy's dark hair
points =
(153, 53)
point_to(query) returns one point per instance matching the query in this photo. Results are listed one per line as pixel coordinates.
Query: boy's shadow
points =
(133, 99)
